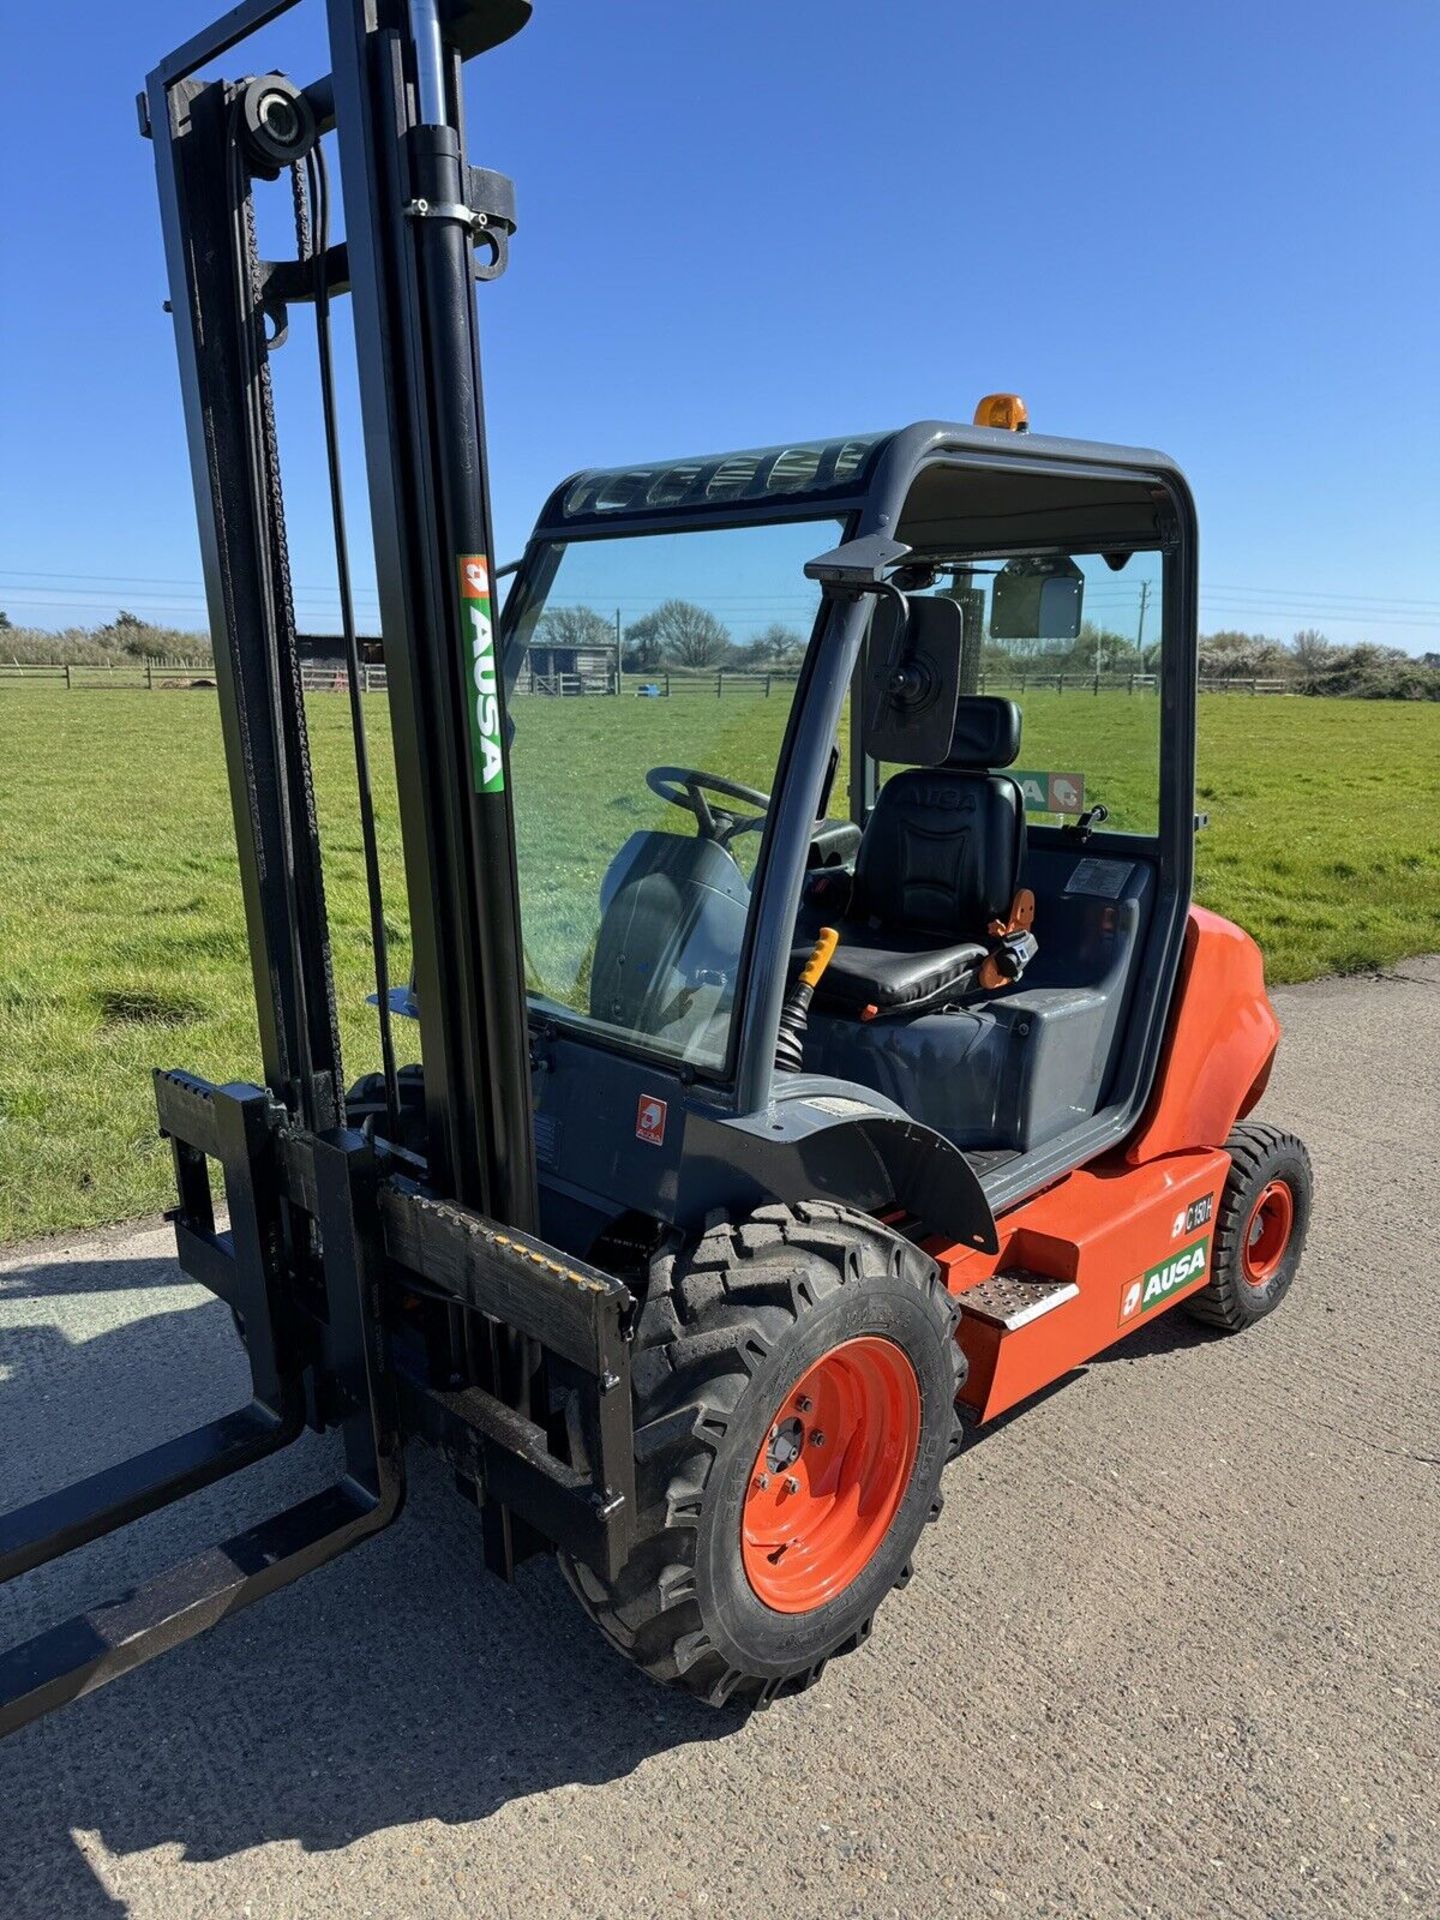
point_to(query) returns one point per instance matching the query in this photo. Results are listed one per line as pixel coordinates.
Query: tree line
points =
(679, 635)
(676, 634)
(1309, 662)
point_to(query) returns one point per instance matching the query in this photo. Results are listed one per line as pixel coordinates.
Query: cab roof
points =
(828, 474)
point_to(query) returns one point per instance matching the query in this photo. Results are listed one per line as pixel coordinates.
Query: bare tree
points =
(574, 627)
(1312, 653)
(778, 644)
(643, 649)
(689, 635)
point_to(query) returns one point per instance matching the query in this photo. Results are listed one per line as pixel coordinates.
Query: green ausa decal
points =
(479, 641)
(1157, 1284)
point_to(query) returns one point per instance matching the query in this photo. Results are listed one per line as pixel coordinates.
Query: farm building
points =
(585, 668)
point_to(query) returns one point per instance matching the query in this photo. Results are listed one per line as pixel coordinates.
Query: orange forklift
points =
(809, 1069)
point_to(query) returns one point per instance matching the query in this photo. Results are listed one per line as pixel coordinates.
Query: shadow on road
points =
(73, 1278)
(399, 1685)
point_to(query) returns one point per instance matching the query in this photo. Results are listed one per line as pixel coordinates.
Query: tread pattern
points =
(711, 1314)
(1254, 1148)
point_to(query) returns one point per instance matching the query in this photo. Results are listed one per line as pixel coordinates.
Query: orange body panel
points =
(1106, 1228)
(1222, 1039)
(1133, 1232)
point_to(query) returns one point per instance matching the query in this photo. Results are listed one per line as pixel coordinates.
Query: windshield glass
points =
(650, 680)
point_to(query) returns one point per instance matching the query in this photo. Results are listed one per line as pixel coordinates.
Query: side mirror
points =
(1037, 599)
(912, 680)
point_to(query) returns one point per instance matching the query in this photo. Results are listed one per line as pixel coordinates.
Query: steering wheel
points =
(687, 787)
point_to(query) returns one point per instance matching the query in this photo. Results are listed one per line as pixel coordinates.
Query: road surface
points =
(1172, 1649)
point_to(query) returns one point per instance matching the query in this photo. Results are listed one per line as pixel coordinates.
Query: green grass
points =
(122, 943)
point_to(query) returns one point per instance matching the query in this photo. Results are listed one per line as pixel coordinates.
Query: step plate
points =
(1014, 1299)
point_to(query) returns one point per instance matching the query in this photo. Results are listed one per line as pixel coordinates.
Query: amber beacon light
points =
(1003, 410)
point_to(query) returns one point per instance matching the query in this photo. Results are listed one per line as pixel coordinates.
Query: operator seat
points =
(939, 859)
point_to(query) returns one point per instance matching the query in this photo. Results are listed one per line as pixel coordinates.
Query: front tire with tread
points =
(726, 1329)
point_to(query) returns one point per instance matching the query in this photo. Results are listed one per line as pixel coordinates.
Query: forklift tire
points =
(1259, 1231)
(795, 1378)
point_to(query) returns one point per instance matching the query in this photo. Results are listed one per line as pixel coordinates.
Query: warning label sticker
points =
(1103, 877)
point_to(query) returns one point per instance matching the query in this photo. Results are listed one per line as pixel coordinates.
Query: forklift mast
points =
(341, 1250)
(411, 213)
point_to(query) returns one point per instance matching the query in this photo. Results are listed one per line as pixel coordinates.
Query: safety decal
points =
(1156, 1286)
(650, 1119)
(487, 761)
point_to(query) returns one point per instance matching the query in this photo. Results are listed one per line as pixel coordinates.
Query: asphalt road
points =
(1172, 1649)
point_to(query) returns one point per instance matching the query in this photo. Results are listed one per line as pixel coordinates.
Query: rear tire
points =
(1260, 1228)
(746, 1342)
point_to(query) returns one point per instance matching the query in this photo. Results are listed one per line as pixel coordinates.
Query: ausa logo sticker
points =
(487, 761)
(1157, 1285)
(650, 1119)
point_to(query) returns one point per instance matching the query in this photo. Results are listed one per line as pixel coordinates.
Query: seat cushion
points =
(890, 969)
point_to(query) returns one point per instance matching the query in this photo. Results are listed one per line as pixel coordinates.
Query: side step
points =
(1009, 1341)
(1014, 1299)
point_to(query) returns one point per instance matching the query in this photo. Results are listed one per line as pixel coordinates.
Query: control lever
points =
(795, 1016)
(1092, 817)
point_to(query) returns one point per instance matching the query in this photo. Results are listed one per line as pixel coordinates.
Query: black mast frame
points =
(332, 1242)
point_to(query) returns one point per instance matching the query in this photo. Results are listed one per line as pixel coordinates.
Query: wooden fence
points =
(161, 676)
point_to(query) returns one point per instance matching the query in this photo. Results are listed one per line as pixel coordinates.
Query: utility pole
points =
(1140, 632)
(617, 650)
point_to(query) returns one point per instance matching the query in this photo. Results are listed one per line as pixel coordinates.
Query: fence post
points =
(719, 681)
(1059, 683)
(1097, 683)
(767, 686)
(149, 677)
(67, 676)
(1023, 680)
(1254, 688)
(667, 683)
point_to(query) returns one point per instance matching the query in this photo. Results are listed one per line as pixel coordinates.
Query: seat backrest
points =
(942, 851)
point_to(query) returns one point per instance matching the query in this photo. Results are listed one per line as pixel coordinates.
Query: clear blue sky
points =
(1205, 228)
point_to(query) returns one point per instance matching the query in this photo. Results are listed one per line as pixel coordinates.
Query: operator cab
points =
(932, 690)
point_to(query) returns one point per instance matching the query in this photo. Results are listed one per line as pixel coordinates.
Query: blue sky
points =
(1208, 229)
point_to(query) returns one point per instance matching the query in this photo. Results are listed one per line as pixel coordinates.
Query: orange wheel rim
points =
(1267, 1234)
(830, 1474)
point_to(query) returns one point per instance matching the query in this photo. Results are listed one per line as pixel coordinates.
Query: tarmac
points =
(1172, 1649)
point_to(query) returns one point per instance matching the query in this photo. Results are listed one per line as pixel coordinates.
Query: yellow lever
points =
(820, 958)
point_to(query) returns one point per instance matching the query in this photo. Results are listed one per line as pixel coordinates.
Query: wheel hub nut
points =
(792, 1485)
(817, 1439)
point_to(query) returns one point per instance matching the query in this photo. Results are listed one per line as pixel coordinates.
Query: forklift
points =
(805, 1079)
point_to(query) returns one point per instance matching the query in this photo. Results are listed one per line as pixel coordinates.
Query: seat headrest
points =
(987, 732)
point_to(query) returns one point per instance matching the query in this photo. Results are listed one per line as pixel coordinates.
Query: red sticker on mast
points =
(482, 679)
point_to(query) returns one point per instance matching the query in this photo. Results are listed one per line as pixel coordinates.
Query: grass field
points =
(122, 943)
